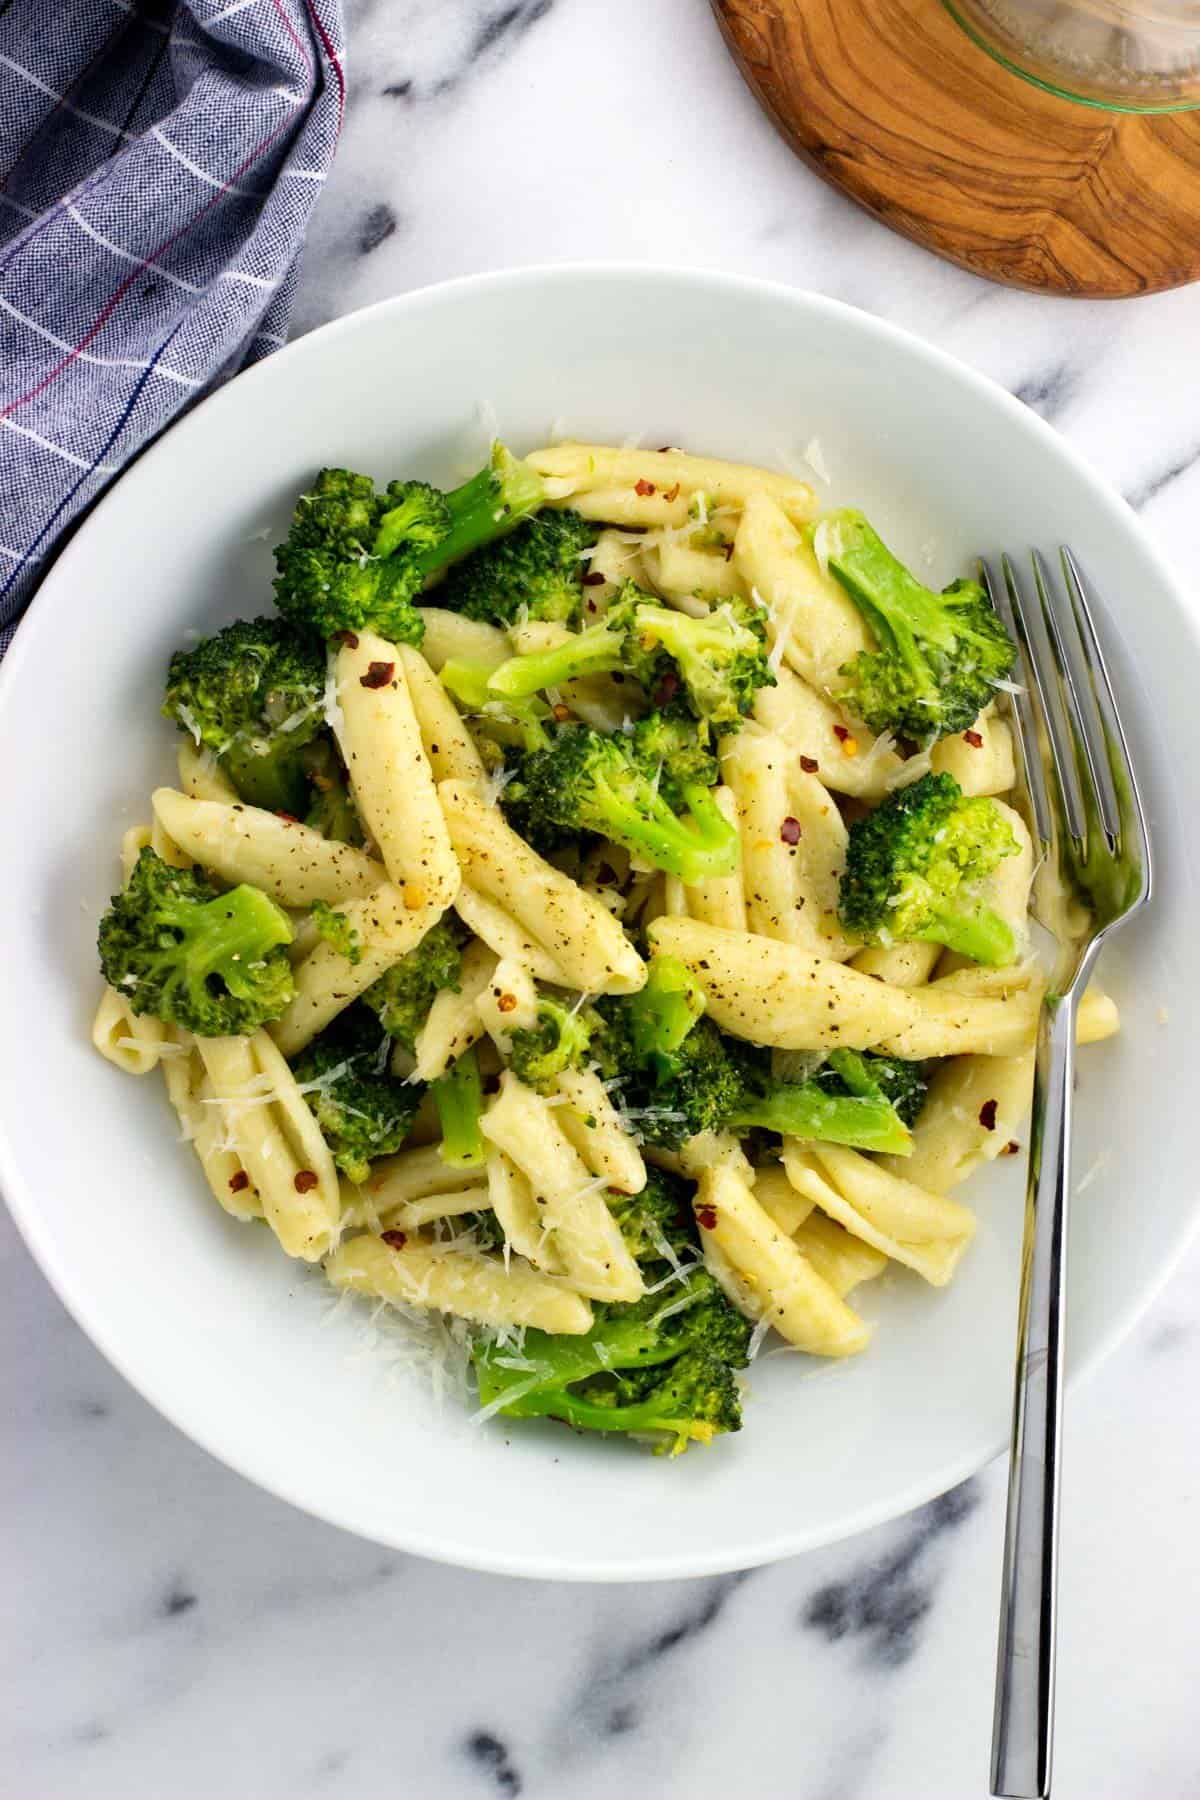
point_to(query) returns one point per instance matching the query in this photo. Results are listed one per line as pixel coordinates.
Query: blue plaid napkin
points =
(158, 164)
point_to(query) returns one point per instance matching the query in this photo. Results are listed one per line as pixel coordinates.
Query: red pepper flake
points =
(809, 764)
(561, 712)
(288, 818)
(239, 1182)
(840, 733)
(987, 1115)
(707, 1217)
(666, 690)
(643, 488)
(378, 675)
(506, 1003)
(590, 605)
(789, 831)
(974, 739)
(395, 1240)
(304, 1181)
(1012, 1148)
(348, 638)
(672, 493)
(593, 578)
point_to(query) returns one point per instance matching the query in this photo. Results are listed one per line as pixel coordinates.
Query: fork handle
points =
(1022, 1730)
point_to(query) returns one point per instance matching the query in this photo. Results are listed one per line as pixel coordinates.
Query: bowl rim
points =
(20, 1193)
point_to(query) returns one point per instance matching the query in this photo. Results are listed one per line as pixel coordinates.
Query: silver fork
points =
(1090, 827)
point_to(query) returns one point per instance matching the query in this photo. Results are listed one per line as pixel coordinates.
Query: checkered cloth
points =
(160, 159)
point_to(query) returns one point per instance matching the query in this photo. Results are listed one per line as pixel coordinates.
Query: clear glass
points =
(1115, 54)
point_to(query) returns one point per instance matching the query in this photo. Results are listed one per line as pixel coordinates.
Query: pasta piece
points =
(904, 965)
(504, 936)
(412, 1215)
(754, 766)
(820, 856)
(722, 900)
(586, 1236)
(446, 741)
(980, 760)
(398, 1180)
(131, 1042)
(463, 1282)
(389, 771)
(972, 1113)
(453, 1023)
(617, 556)
(924, 1231)
(592, 1124)
(604, 702)
(819, 626)
(814, 728)
(604, 483)
(1097, 1017)
(776, 1195)
(278, 1142)
(581, 935)
(530, 637)
(191, 1094)
(681, 574)
(779, 996)
(287, 860)
(840, 1259)
(520, 1213)
(773, 1280)
(451, 637)
(508, 1003)
(386, 927)
(201, 776)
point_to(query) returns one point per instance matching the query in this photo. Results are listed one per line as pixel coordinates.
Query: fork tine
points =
(1083, 709)
(1124, 779)
(1023, 713)
(1048, 680)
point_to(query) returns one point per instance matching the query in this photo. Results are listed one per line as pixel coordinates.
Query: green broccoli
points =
(355, 558)
(560, 1040)
(904, 1084)
(331, 811)
(585, 781)
(536, 572)
(715, 663)
(677, 1075)
(658, 1224)
(661, 1367)
(912, 867)
(253, 694)
(175, 946)
(458, 1096)
(940, 656)
(337, 930)
(362, 1109)
(403, 995)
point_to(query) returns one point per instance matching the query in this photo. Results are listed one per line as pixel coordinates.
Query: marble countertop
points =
(173, 1631)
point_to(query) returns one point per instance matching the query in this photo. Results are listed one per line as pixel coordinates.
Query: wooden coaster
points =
(890, 101)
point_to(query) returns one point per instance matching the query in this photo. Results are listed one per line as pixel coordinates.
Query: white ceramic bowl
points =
(206, 1318)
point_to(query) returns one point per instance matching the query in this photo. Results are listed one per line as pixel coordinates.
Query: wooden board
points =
(891, 102)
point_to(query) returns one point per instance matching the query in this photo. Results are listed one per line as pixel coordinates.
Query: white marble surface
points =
(171, 1631)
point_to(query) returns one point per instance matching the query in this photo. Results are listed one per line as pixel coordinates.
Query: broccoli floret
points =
(940, 655)
(670, 1096)
(587, 782)
(715, 663)
(843, 1103)
(176, 947)
(560, 1040)
(254, 695)
(662, 1367)
(356, 558)
(536, 572)
(404, 994)
(666, 746)
(332, 811)
(658, 1224)
(904, 1084)
(912, 866)
(337, 930)
(458, 1096)
(363, 1110)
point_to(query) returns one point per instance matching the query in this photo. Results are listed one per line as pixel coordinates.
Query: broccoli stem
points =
(458, 1096)
(646, 1416)
(485, 508)
(804, 1110)
(664, 1011)
(981, 934)
(596, 651)
(695, 853)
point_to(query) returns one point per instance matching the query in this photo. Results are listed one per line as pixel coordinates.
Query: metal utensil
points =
(1089, 825)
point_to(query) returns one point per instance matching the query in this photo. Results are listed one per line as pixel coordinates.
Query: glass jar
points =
(1116, 54)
